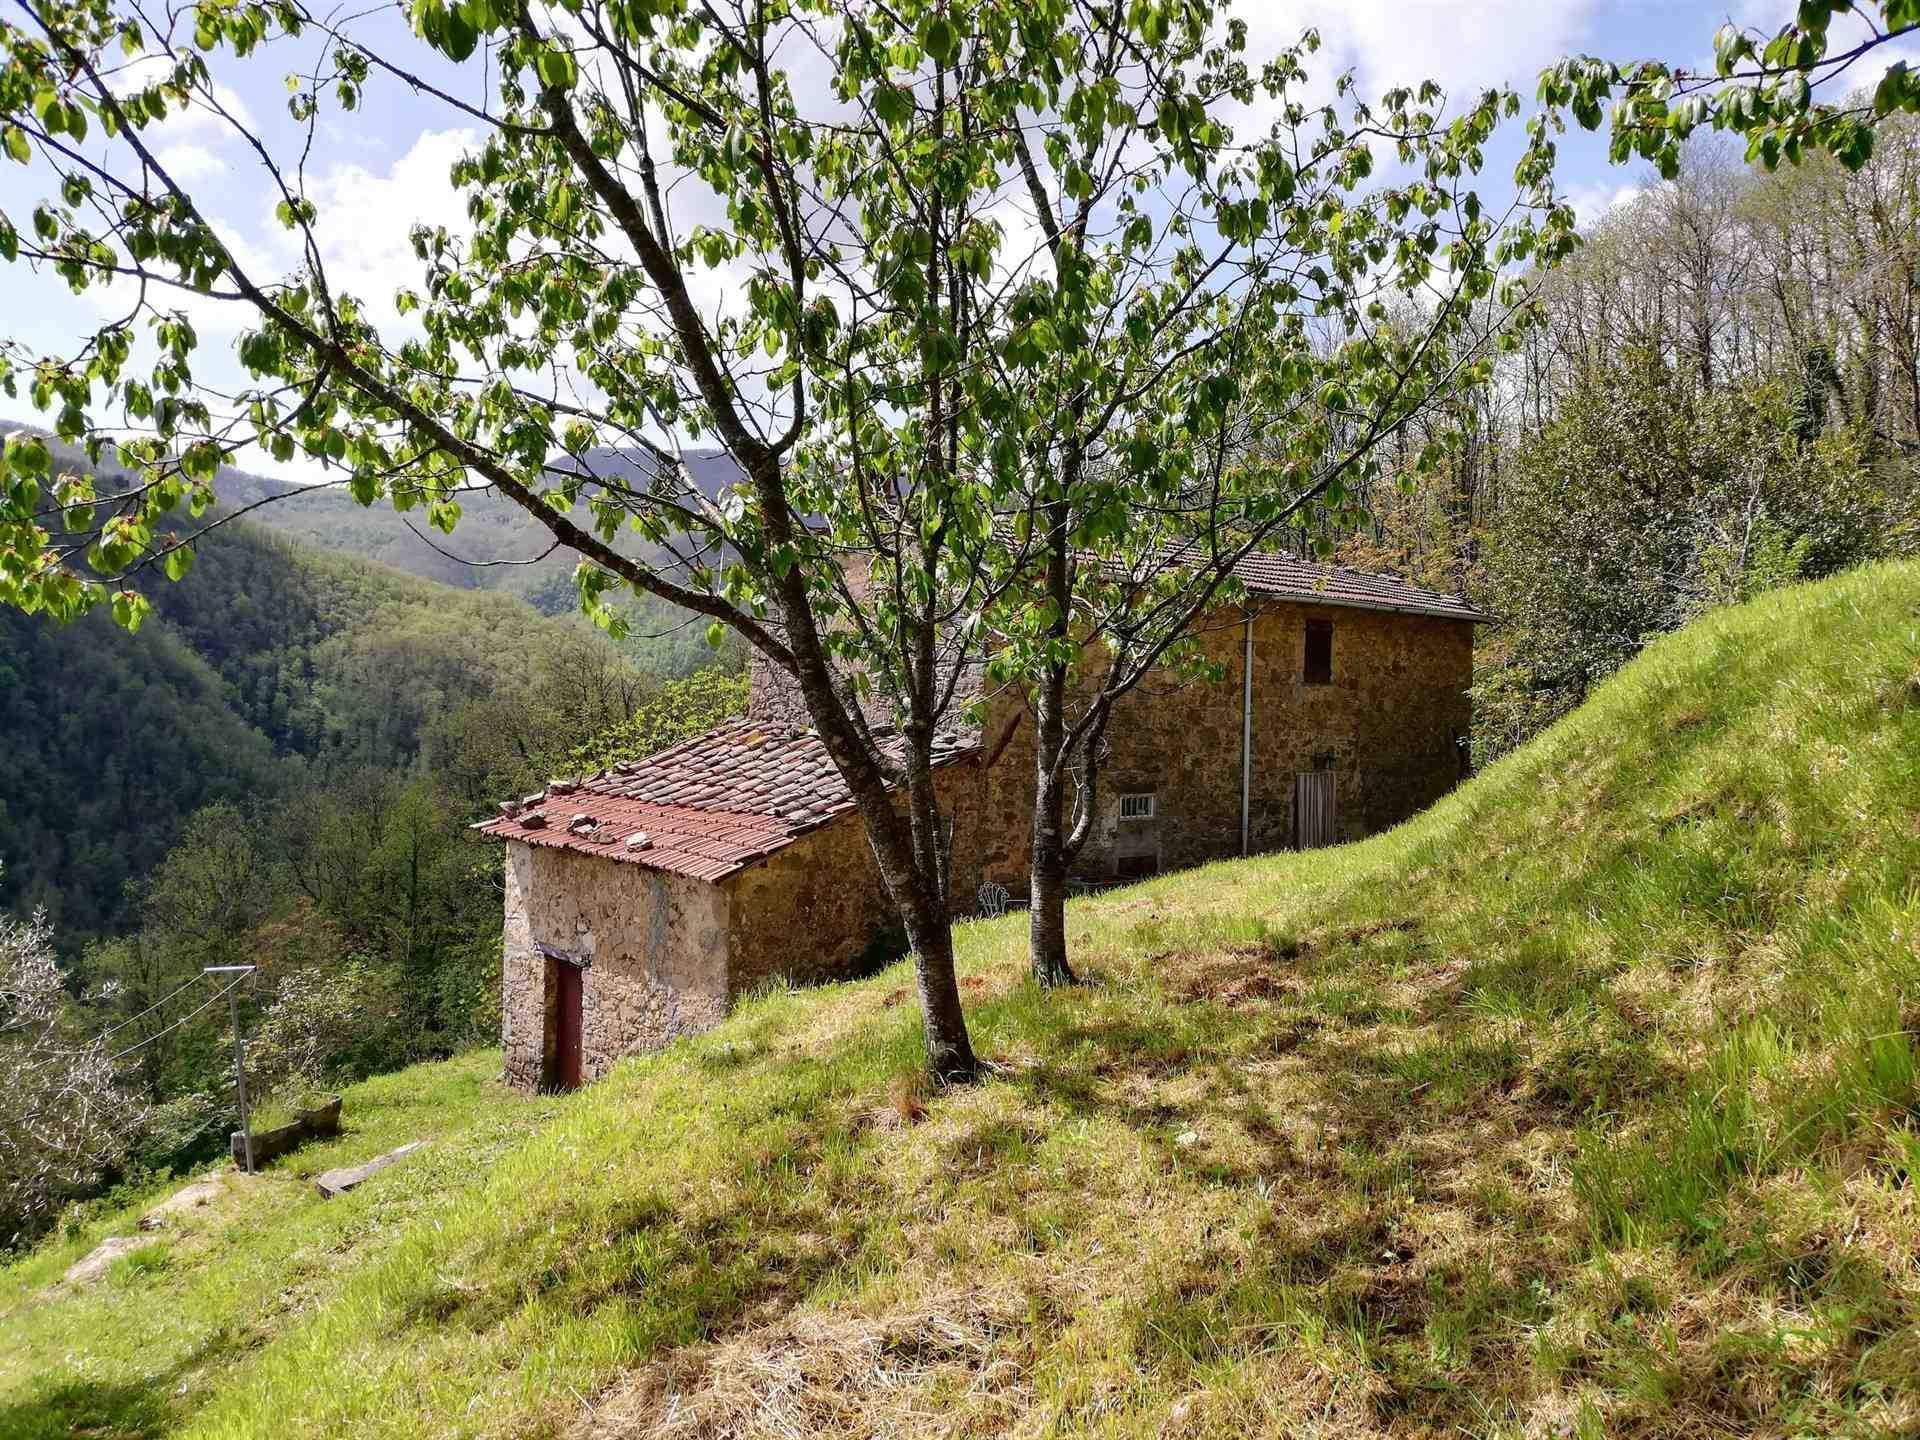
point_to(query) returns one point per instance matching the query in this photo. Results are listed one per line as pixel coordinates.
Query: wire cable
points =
(142, 1044)
(114, 1029)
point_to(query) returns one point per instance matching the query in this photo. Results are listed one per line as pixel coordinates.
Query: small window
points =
(1136, 867)
(1319, 667)
(1138, 806)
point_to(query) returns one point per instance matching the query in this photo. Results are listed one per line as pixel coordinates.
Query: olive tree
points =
(63, 1119)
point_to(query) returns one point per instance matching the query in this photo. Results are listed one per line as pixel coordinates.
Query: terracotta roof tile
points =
(709, 806)
(1285, 577)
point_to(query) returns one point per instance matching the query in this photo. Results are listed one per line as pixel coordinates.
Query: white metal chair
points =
(993, 900)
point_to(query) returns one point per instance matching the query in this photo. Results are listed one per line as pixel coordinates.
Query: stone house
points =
(643, 901)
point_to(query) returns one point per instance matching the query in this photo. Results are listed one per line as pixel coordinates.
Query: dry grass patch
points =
(952, 1365)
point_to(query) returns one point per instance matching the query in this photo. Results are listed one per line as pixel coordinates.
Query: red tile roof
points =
(707, 807)
(1284, 577)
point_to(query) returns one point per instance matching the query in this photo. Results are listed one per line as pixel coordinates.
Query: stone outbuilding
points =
(642, 902)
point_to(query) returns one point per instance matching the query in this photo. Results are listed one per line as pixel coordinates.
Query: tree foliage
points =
(1765, 89)
(1645, 502)
(680, 710)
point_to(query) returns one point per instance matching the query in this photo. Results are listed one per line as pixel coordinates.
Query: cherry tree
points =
(786, 227)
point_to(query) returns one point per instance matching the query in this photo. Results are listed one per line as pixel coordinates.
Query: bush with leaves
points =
(63, 1120)
(681, 710)
(309, 1027)
(1646, 501)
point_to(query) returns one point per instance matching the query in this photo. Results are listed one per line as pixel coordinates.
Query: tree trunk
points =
(950, 1057)
(1048, 853)
(1047, 882)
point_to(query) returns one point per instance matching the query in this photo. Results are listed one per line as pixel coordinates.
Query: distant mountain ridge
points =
(496, 546)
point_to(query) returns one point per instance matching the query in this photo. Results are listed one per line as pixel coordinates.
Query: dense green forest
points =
(1723, 397)
(274, 666)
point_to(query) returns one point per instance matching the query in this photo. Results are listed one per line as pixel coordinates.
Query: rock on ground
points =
(182, 1202)
(91, 1266)
(338, 1182)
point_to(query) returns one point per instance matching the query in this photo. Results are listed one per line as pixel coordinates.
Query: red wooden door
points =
(566, 1026)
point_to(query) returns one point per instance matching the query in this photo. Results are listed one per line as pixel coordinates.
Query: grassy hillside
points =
(1585, 1104)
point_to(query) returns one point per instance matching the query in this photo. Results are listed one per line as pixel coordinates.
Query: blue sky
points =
(377, 172)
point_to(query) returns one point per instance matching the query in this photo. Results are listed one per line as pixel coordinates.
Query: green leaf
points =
(557, 70)
(130, 609)
(1895, 92)
(178, 562)
(943, 41)
(16, 142)
(457, 35)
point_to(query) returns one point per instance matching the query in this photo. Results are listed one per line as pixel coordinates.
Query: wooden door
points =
(1315, 812)
(567, 1018)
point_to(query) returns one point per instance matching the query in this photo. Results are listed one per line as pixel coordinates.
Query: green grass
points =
(1583, 1105)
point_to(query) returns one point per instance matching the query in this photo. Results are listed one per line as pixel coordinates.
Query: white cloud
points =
(1591, 202)
(1466, 45)
(1871, 68)
(187, 163)
(366, 217)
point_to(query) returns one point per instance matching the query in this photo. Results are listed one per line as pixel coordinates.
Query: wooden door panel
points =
(1315, 810)
(567, 1024)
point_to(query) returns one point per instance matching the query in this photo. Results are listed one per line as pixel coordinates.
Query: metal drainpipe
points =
(1246, 746)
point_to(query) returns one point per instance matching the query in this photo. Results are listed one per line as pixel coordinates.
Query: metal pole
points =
(239, 1053)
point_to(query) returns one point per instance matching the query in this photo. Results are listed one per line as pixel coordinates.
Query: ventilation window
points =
(1138, 806)
(1136, 867)
(1319, 667)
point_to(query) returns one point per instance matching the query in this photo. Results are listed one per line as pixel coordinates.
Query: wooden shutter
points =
(1318, 667)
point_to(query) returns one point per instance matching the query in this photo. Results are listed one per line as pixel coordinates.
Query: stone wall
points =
(666, 955)
(817, 910)
(1388, 725)
(654, 948)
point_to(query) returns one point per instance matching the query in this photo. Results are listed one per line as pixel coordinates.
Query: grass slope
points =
(1582, 1105)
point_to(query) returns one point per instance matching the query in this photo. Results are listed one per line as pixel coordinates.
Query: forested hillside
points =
(111, 740)
(498, 547)
(1724, 397)
(274, 667)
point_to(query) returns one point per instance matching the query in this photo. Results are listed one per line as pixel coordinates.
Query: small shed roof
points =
(707, 807)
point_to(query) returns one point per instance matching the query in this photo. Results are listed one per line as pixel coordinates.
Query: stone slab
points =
(91, 1266)
(183, 1202)
(338, 1182)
